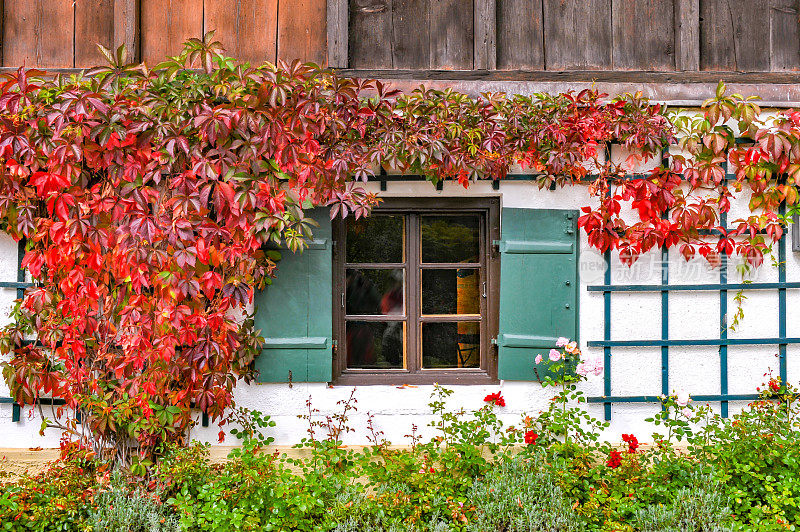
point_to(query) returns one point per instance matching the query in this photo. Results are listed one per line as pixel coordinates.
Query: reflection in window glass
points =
(375, 239)
(375, 292)
(451, 345)
(449, 291)
(450, 238)
(375, 344)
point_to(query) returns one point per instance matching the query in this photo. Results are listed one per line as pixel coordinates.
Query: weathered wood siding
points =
(424, 35)
(557, 35)
(64, 33)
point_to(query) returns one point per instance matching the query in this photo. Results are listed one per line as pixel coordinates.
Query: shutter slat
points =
(294, 313)
(538, 288)
(516, 246)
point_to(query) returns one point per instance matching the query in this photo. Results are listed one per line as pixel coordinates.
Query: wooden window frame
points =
(489, 208)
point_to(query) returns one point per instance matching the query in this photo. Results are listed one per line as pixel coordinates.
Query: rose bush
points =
(475, 473)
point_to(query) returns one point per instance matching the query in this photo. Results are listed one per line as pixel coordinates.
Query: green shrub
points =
(120, 508)
(739, 474)
(699, 508)
(520, 495)
(756, 457)
(55, 500)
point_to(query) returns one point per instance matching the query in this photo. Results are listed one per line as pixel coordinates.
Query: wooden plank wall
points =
(559, 35)
(533, 35)
(64, 33)
(411, 34)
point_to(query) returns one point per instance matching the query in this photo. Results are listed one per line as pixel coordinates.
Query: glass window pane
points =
(451, 345)
(375, 344)
(374, 292)
(450, 238)
(449, 291)
(375, 239)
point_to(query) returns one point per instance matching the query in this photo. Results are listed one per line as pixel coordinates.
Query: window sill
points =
(425, 377)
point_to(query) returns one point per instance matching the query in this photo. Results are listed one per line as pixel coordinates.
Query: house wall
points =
(635, 371)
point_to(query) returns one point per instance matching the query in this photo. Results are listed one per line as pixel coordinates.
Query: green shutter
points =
(538, 288)
(294, 312)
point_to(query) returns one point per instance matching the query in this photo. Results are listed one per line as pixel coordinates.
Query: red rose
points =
(495, 398)
(773, 385)
(632, 442)
(530, 437)
(614, 459)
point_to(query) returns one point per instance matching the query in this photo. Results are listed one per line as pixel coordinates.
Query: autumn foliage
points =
(148, 198)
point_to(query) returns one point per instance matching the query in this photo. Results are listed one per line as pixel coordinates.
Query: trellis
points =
(665, 343)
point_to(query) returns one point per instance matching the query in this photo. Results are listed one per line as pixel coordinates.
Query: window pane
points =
(375, 344)
(450, 238)
(377, 238)
(453, 291)
(375, 291)
(451, 345)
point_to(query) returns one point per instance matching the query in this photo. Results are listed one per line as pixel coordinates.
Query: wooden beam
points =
(687, 35)
(615, 76)
(337, 33)
(485, 41)
(2, 28)
(126, 27)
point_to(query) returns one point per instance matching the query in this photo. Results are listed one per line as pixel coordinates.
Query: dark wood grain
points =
(734, 35)
(166, 25)
(126, 27)
(643, 35)
(687, 34)
(520, 35)
(2, 25)
(577, 34)
(38, 33)
(94, 24)
(337, 16)
(485, 41)
(451, 31)
(370, 34)
(785, 35)
(247, 28)
(302, 32)
(411, 33)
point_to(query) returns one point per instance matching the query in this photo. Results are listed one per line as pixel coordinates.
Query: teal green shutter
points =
(294, 313)
(538, 288)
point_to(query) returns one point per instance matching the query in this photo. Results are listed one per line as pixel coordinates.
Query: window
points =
(415, 297)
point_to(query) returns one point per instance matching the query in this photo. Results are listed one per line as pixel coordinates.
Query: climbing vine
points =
(148, 200)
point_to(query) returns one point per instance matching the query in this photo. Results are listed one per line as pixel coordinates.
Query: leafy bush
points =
(58, 499)
(475, 474)
(756, 454)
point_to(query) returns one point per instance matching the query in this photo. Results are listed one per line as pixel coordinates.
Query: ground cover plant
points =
(550, 471)
(474, 474)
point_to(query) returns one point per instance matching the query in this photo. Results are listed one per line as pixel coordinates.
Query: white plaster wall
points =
(635, 371)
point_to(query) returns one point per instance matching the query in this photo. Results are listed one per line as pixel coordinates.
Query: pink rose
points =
(539, 358)
(571, 347)
(561, 342)
(581, 369)
(682, 398)
(555, 355)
